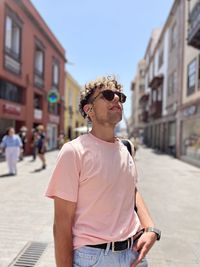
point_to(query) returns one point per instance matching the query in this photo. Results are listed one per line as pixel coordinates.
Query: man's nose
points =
(116, 98)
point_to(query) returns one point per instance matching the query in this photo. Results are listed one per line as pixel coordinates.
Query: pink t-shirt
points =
(101, 177)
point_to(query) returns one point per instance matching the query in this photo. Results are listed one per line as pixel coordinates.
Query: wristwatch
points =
(154, 230)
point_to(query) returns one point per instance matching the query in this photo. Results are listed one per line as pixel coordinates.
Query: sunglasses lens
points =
(122, 97)
(109, 95)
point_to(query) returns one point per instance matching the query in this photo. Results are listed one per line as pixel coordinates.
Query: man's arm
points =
(142, 211)
(146, 241)
(63, 221)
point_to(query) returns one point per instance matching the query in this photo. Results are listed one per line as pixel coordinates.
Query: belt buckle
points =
(128, 247)
(113, 246)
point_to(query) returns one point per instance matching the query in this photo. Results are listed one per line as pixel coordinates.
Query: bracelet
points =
(154, 230)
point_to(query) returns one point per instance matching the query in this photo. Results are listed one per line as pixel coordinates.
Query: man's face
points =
(106, 112)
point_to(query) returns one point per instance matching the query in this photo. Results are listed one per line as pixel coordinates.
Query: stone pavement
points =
(170, 188)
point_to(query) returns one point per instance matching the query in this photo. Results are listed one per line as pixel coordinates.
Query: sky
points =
(104, 37)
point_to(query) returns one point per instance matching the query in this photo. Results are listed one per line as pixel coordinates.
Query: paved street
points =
(169, 186)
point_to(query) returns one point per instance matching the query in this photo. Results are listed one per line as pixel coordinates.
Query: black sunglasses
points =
(109, 95)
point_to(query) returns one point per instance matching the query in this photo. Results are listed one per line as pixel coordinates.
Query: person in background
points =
(61, 140)
(93, 186)
(41, 145)
(12, 145)
(23, 136)
(34, 141)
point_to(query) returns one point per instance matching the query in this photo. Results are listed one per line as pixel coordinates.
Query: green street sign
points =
(53, 96)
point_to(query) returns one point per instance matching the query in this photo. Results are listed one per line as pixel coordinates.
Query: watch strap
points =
(154, 230)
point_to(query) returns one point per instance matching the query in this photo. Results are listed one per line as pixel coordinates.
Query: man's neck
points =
(104, 133)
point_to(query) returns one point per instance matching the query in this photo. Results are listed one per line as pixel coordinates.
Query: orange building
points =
(32, 63)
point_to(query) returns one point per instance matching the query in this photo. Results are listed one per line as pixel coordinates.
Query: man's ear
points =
(87, 108)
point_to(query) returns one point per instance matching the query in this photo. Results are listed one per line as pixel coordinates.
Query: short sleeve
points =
(64, 182)
(136, 173)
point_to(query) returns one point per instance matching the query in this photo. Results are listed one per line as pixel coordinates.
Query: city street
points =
(170, 188)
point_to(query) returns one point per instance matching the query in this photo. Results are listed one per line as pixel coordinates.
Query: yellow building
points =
(73, 118)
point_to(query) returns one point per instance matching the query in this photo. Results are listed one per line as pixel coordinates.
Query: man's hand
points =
(143, 245)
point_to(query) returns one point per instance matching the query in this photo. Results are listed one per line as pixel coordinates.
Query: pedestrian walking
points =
(93, 186)
(41, 145)
(61, 140)
(34, 142)
(23, 137)
(12, 145)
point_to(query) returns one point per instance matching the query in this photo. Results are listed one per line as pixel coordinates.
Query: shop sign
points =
(37, 114)
(54, 119)
(53, 96)
(11, 109)
(190, 111)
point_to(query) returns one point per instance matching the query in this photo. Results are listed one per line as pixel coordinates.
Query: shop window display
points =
(191, 139)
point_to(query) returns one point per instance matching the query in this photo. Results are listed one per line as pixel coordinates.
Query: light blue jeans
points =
(96, 257)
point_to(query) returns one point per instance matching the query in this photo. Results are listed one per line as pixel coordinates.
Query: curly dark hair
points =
(89, 89)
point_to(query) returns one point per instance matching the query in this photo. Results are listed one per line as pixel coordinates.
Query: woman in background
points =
(12, 145)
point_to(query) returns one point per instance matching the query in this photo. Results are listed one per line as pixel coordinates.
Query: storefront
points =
(12, 115)
(5, 124)
(190, 135)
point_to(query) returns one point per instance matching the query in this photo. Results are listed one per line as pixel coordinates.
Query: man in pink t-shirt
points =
(94, 190)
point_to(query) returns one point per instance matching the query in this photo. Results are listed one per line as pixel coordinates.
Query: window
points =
(142, 73)
(171, 83)
(191, 77)
(12, 42)
(37, 101)
(199, 74)
(160, 58)
(141, 87)
(77, 104)
(11, 92)
(39, 62)
(173, 36)
(39, 66)
(70, 102)
(54, 108)
(55, 74)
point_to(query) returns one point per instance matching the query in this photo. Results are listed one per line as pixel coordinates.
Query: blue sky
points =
(103, 37)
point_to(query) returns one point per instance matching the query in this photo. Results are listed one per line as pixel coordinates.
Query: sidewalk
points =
(25, 214)
(170, 188)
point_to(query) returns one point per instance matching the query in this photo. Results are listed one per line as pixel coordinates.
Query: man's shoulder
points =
(79, 142)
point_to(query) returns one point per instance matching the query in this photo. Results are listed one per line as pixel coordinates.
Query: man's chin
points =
(117, 119)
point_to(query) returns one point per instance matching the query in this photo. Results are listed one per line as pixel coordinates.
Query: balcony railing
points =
(144, 99)
(194, 26)
(155, 110)
(12, 64)
(156, 82)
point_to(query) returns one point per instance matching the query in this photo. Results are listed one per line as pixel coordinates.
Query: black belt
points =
(119, 245)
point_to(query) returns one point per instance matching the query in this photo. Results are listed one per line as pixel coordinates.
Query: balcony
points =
(156, 82)
(155, 110)
(143, 117)
(194, 27)
(133, 86)
(144, 99)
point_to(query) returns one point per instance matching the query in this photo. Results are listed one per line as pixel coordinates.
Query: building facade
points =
(138, 90)
(190, 97)
(73, 117)
(31, 65)
(172, 87)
